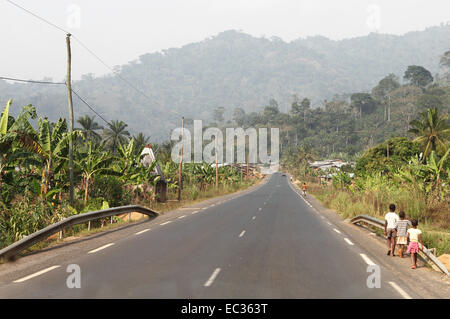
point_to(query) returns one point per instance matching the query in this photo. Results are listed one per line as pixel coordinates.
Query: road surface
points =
(267, 243)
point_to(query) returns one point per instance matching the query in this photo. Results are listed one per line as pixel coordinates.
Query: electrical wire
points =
(88, 50)
(31, 81)
(90, 107)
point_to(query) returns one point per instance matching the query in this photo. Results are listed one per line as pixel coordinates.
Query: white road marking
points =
(143, 231)
(100, 248)
(367, 259)
(322, 217)
(260, 208)
(329, 223)
(195, 212)
(348, 241)
(254, 217)
(182, 216)
(205, 208)
(400, 290)
(165, 223)
(212, 278)
(336, 230)
(36, 274)
(242, 234)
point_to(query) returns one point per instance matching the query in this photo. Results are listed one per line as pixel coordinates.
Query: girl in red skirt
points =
(415, 236)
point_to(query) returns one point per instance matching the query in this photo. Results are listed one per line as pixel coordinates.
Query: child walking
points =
(414, 235)
(402, 232)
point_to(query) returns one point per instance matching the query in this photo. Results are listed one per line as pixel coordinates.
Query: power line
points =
(36, 16)
(31, 81)
(57, 83)
(90, 51)
(90, 107)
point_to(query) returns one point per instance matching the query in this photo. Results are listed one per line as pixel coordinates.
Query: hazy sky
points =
(120, 31)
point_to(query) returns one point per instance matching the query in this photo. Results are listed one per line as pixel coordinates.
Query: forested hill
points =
(234, 69)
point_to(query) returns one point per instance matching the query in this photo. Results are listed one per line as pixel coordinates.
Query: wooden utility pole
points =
(69, 94)
(181, 161)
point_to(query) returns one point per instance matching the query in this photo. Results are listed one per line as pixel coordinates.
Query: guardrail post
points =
(89, 226)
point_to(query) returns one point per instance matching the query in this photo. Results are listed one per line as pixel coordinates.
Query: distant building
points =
(328, 164)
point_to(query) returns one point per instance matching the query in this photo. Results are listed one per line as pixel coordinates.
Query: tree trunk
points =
(86, 187)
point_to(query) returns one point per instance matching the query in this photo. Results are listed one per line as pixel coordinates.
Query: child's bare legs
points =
(401, 250)
(413, 260)
(393, 246)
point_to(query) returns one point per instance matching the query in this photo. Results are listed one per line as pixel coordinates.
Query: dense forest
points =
(235, 70)
(347, 125)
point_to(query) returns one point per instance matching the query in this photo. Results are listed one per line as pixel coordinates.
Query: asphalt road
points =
(269, 243)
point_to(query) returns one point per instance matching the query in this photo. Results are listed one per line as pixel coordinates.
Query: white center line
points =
(165, 223)
(367, 259)
(36, 274)
(100, 248)
(242, 234)
(348, 241)
(260, 208)
(400, 290)
(254, 217)
(181, 216)
(143, 231)
(337, 231)
(212, 278)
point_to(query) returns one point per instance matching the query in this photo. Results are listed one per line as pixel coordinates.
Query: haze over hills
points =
(234, 69)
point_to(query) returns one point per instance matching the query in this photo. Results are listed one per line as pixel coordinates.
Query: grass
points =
(433, 222)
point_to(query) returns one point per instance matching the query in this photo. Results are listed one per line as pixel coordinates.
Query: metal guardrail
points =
(380, 224)
(15, 249)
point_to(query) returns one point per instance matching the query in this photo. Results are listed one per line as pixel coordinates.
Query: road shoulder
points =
(424, 281)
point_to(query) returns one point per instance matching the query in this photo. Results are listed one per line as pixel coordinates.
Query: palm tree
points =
(116, 134)
(432, 130)
(89, 127)
(140, 141)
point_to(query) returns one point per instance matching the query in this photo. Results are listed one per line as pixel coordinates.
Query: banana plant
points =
(92, 162)
(50, 143)
(10, 131)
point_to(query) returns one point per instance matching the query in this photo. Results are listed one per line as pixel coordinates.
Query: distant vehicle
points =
(284, 175)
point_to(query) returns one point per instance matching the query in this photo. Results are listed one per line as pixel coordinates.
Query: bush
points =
(27, 215)
(110, 189)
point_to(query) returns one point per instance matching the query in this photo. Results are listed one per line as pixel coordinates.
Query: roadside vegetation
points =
(34, 173)
(410, 168)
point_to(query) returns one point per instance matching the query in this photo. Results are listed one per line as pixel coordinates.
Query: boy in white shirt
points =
(389, 229)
